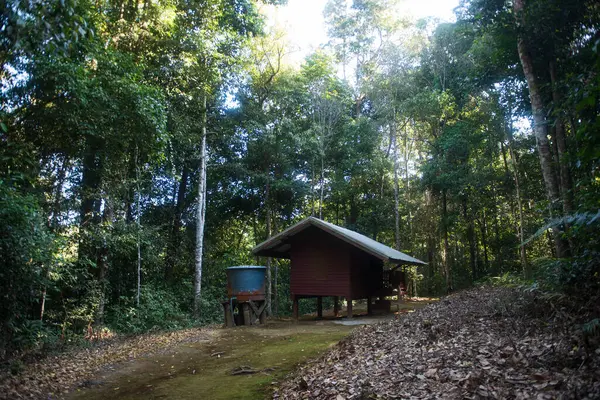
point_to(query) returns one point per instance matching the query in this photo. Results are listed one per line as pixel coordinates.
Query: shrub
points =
(159, 309)
(25, 256)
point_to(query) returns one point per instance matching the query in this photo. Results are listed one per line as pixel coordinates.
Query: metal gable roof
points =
(277, 244)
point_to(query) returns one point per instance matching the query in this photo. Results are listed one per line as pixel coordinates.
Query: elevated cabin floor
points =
(360, 310)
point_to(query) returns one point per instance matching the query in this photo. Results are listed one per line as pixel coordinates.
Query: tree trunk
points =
(566, 184)
(102, 263)
(470, 238)
(430, 238)
(394, 142)
(540, 129)
(268, 226)
(275, 291)
(515, 170)
(90, 183)
(54, 225)
(312, 191)
(139, 227)
(200, 215)
(322, 184)
(483, 229)
(173, 248)
(409, 223)
(446, 251)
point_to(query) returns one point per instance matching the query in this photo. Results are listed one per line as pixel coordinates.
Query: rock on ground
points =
(482, 343)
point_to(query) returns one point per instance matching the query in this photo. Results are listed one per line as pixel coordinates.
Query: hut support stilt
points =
(319, 307)
(336, 306)
(295, 307)
(349, 307)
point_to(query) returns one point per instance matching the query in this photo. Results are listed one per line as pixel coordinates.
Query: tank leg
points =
(263, 314)
(246, 311)
(228, 317)
(369, 305)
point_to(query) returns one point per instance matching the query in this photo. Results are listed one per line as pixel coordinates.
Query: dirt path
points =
(203, 370)
(191, 363)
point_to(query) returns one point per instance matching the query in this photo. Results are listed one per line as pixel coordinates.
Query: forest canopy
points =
(145, 146)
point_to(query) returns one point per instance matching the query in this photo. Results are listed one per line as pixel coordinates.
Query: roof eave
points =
(280, 237)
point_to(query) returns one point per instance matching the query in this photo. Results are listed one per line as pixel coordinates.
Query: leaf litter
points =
(53, 376)
(482, 343)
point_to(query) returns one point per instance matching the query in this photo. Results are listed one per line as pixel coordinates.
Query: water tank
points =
(246, 282)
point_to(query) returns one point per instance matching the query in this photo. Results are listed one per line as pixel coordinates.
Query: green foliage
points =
(580, 274)
(26, 248)
(591, 328)
(427, 129)
(507, 279)
(159, 309)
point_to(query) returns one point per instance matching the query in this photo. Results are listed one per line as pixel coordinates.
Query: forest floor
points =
(505, 343)
(206, 363)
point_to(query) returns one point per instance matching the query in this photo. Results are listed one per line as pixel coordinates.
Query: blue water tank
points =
(246, 282)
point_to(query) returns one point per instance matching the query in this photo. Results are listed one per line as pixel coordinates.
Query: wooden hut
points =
(328, 260)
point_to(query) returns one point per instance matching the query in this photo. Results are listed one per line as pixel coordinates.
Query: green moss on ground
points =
(195, 372)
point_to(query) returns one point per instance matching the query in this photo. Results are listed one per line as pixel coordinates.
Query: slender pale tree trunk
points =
(102, 263)
(515, 170)
(312, 191)
(566, 183)
(540, 129)
(446, 248)
(409, 223)
(322, 183)
(139, 227)
(430, 238)
(200, 215)
(394, 141)
(268, 225)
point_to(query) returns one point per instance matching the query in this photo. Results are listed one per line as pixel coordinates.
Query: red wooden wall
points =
(323, 265)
